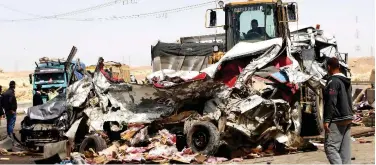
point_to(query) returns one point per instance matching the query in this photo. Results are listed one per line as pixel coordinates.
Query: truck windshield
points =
(49, 77)
(254, 23)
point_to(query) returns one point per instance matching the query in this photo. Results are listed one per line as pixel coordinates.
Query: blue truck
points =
(55, 74)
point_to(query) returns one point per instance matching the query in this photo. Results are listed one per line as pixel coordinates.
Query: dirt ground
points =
(363, 153)
(23, 86)
(361, 68)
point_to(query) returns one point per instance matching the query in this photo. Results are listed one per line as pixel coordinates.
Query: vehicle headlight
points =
(61, 123)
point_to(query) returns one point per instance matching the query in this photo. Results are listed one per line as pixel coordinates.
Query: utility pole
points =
(216, 30)
(357, 47)
(129, 60)
(372, 51)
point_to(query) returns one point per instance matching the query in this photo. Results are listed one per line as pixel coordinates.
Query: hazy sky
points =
(23, 42)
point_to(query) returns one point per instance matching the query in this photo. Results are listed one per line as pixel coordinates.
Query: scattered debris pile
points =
(364, 107)
(139, 145)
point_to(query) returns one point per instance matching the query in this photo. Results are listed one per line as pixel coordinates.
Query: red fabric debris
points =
(287, 94)
(201, 76)
(281, 61)
(230, 71)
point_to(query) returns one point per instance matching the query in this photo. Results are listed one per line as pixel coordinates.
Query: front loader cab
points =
(254, 21)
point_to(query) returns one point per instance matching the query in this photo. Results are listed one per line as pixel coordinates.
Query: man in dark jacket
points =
(37, 98)
(338, 115)
(9, 103)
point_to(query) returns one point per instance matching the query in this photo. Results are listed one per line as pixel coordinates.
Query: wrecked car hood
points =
(239, 50)
(49, 110)
(242, 49)
(119, 102)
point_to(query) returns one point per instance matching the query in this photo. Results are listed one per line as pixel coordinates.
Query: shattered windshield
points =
(49, 78)
(254, 23)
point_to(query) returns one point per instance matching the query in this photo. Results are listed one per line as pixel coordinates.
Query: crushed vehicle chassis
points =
(91, 106)
(275, 94)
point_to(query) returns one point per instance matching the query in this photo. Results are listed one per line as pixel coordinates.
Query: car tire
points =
(203, 137)
(97, 143)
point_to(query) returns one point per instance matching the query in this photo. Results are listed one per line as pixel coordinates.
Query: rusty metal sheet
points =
(177, 118)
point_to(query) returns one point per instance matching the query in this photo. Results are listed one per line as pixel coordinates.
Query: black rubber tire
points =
(212, 142)
(319, 112)
(312, 124)
(97, 143)
(181, 139)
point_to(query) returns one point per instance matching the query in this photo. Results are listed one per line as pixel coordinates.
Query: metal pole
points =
(215, 37)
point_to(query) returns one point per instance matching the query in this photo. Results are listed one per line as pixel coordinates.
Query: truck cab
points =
(254, 20)
(52, 75)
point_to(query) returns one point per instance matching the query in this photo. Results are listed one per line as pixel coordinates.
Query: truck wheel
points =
(203, 137)
(319, 113)
(312, 123)
(95, 142)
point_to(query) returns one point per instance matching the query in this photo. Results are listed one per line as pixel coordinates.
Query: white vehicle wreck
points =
(267, 87)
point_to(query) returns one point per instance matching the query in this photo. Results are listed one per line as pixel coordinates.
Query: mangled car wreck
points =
(265, 88)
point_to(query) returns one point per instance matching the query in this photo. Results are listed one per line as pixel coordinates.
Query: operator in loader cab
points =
(255, 31)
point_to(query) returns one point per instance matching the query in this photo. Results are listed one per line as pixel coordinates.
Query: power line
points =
(157, 13)
(175, 10)
(162, 13)
(18, 11)
(57, 16)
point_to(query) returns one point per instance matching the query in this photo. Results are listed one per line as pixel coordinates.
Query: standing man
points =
(9, 103)
(37, 98)
(338, 115)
